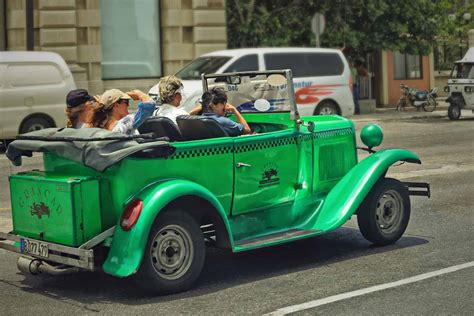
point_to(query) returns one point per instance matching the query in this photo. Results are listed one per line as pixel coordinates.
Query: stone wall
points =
(191, 28)
(71, 28)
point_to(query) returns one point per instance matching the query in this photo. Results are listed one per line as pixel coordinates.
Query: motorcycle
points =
(418, 99)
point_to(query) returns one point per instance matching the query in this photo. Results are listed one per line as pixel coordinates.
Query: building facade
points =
(114, 43)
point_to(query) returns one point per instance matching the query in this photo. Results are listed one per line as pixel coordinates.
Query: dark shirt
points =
(232, 128)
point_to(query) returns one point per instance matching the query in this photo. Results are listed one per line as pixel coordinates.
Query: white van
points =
(33, 89)
(322, 78)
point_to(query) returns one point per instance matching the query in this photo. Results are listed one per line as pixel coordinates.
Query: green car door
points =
(265, 171)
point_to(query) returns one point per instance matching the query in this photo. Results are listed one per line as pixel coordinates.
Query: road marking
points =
(381, 287)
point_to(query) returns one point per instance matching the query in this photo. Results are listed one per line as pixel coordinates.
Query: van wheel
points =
(35, 123)
(454, 111)
(327, 108)
(384, 214)
(174, 255)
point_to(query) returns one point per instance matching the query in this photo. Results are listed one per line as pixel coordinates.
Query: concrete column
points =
(432, 70)
(3, 44)
(384, 78)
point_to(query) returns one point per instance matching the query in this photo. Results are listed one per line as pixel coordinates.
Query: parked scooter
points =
(417, 99)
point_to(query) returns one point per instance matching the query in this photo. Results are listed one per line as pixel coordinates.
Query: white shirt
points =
(169, 111)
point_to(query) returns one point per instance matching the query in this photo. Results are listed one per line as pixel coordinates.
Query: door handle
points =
(241, 164)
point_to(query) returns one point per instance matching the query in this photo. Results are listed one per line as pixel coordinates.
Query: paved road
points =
(439, 236)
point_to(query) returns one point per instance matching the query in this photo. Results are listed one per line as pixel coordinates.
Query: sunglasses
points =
(127, 102)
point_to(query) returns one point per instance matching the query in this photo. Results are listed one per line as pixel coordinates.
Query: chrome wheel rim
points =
(389, 210)
(35, 127)
(172, 252)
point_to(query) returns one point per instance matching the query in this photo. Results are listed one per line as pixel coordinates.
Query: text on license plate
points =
(34, 247)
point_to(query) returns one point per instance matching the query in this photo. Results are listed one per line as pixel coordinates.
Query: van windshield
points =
(206, 65)
(463, 71)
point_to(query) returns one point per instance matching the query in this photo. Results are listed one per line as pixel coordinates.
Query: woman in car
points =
(79, 108)
(215, 106)
(112, 111)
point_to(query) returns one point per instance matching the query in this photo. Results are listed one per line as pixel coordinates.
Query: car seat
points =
(162, 127)
(195, 127)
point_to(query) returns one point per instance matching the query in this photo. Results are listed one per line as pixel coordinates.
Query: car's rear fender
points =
(127, 248)
(347, 195)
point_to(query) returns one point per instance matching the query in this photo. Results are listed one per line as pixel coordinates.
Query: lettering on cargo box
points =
(41, 202)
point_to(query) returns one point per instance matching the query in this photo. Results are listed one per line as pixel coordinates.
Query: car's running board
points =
(418, 188)
(274, 238)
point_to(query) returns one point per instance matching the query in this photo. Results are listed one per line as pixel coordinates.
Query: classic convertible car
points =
(148, 206)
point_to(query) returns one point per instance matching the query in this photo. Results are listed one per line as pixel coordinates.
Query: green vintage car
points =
(147, 207)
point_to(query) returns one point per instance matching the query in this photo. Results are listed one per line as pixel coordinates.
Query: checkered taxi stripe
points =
(228, 149)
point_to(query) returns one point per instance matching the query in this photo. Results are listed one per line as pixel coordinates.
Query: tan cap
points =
(169, 86)
(111, 96)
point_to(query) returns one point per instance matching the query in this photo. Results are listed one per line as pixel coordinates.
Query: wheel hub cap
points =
(388, 214)
(172, 252)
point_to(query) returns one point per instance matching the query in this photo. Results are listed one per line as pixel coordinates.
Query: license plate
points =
(33, 247)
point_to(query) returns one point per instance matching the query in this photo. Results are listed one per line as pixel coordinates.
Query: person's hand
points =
(135, 94)
(229, 108)
(97, 98)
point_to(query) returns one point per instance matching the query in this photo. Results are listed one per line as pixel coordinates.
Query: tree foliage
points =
(360, 26)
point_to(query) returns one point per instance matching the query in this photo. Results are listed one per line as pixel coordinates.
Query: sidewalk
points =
(393, 114)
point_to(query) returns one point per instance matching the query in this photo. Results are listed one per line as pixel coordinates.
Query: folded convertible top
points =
(93, 147)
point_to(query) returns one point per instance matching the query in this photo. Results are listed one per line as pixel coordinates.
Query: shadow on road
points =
(222, 270)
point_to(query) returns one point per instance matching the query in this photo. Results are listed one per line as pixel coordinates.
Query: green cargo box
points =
(55, 208)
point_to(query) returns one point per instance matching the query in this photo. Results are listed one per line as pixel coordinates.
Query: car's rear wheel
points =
(454, 111)
(174, 255)
(327, 108)
(35, 123)
(384, 214)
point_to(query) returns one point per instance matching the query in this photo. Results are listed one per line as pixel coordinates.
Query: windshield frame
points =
(287, 73)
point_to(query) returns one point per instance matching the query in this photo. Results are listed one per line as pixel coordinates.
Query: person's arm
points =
(146, 107)
(231, 109)
(197, 110)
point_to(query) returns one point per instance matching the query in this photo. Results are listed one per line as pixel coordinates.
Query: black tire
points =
(35, 123)
(384, 214)
(454, 111)
(179, 263)
(430, 104)
(327, 108)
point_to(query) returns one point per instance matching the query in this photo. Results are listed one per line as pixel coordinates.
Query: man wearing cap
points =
(79, 108)
(170, 89)
(112, 111)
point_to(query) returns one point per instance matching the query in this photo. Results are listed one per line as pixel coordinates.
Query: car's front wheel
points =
(384, 214)
(174, 255)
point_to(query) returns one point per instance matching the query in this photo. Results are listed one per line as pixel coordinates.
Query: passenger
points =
(112, 111)
(79, 108)
(170, 89)
(215, 106)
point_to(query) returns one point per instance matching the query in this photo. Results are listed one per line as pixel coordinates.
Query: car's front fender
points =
(346, 196)
(127, 248)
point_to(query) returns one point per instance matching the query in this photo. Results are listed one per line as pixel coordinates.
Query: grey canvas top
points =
(93, 147)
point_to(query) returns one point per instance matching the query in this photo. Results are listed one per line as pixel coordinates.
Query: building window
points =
(407, 66)
(130, 37)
